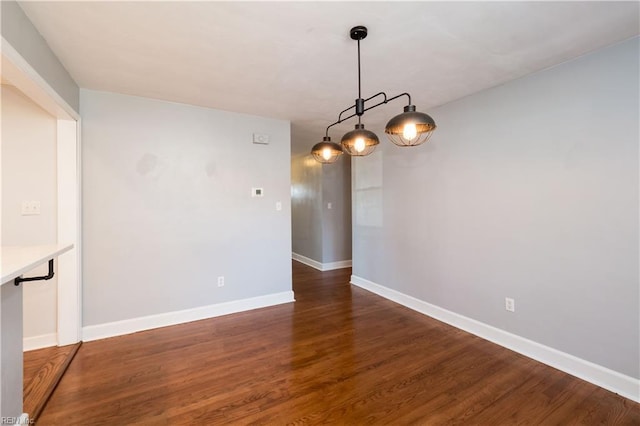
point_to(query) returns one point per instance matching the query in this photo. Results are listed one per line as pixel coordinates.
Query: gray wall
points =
(18, 30)
(336, 221)
(528, 190)
(321, 233)
(167, 207)
(306, 206)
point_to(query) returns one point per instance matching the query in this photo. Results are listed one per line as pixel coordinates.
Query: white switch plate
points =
(261, 138)
(329, 206)
(30, 208)
(278, 206)
(509, 304)
(257, 192)
(220, 281)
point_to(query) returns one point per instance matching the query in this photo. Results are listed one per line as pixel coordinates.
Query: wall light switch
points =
(278, 206)
(30, 208)
(257, 192)
(329, 206)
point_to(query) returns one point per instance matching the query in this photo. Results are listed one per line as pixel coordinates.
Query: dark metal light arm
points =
(345, 110)
(401, 94)
(386, 100)
(360, 103)
(340, 120)
(326, 133)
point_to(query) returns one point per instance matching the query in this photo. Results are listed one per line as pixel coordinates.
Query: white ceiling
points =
(295, 60)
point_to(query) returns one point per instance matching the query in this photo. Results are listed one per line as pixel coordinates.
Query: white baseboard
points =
(321, 266)
(307, 261)
(118, 328)
(619, 383)
(336, 265)
(23, 419)
(39, 342)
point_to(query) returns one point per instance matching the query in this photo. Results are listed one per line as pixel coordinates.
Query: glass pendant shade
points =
(359, 142)
(326, 152)
(410, 128)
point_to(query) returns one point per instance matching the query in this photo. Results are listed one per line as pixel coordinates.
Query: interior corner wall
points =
(306, 206)
(168, 207)
(17, 29)
(29, 170)
(528, 190)
(336, 220)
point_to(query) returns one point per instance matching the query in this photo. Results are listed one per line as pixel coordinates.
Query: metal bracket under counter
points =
(19, 280)
(15, 261)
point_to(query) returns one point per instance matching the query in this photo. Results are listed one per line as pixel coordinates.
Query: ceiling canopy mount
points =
(358, 33)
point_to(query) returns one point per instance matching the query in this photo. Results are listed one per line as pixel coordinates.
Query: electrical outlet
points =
(509, 304)
(220, 281)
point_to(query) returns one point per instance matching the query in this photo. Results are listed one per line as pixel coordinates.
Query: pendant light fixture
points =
(359, 142)
(410, 128)
(326, 152)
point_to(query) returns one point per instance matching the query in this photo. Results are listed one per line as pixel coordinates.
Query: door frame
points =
(19, 73)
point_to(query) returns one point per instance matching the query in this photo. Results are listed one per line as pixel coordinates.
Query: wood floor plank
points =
(33, 360)
(339, 354)
(43, 370)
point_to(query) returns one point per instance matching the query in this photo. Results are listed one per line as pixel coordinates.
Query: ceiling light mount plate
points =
(359, 32)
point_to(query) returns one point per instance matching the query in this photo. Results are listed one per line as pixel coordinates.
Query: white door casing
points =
(19, 73)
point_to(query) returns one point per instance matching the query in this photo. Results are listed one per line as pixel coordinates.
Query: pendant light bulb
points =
(326, 153)
(359, 145)
(410, 132)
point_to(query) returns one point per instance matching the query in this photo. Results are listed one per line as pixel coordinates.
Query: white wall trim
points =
(321, 266)
(34, 85)
(118, 328)
(619, 383)
(69, 301)
(307, 261)
(23, 419)
(38, 342)
(336, 265)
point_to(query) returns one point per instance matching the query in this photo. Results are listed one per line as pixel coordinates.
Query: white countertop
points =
(17, 260)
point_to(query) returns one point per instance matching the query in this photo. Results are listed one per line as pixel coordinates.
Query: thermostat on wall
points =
(257, 192)
(261, 138)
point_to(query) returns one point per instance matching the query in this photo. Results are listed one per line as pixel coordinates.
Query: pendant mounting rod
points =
(358, 33)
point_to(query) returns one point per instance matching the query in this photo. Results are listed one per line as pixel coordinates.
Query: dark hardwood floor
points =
(43, 370)
(337, 355)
